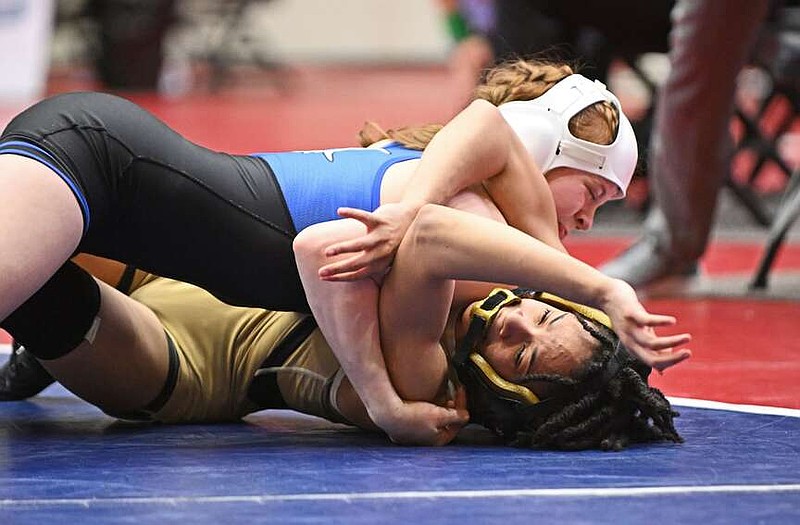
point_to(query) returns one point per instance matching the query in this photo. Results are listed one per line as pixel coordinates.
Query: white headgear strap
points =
(543, 126)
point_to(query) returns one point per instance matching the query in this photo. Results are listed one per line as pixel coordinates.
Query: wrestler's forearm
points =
(347, 315)
(455, 245)
(478, 146)
(353, 334)
(464, 152)
(413, 312)
(523, 197)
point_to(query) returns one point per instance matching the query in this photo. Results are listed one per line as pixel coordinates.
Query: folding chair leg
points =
(751, 202)
(785, 217)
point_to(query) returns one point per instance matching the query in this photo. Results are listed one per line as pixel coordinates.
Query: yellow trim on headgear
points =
(507, 388)
(493, 380)
(489, 315)
(587, 311)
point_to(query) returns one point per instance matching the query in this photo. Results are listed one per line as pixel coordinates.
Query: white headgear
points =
(543, 126)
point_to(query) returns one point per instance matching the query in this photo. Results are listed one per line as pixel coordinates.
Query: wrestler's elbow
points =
(428, 228)
(309, 245)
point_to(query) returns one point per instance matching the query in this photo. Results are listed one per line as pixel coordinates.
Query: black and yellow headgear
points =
(514, 402)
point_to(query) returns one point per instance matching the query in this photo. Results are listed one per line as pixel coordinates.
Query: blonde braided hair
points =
(513, 80)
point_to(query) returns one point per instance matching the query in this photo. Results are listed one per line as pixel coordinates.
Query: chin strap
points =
(481, 317)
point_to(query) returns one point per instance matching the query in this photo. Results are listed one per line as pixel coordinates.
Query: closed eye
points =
(518, 357)
(545, 315)
(531, 361)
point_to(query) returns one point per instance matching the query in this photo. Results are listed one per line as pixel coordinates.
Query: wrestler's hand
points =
(374, 251)
(635, 327)
(419, 423)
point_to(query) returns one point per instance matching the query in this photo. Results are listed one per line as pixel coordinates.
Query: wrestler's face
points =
(577, 195)
(532, 337)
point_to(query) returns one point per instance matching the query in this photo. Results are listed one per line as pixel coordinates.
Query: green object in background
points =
(457, 26)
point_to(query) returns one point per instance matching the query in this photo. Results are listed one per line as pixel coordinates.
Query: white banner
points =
(26, 27)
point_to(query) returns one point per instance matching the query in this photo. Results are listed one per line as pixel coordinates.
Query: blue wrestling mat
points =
(64, 460)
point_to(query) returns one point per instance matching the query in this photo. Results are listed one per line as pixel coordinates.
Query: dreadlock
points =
(623, 411)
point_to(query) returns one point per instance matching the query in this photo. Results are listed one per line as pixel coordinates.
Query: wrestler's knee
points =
(58, 317)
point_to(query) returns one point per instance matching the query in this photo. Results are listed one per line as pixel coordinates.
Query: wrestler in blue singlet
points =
(315, 183)
(156, 201)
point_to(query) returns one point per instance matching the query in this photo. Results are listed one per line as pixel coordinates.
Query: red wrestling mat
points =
(720, 258)
(745, 351)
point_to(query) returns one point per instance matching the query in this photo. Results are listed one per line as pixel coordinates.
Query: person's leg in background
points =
(523, 28)
(585, 34)
(691, 144)
(131, 41)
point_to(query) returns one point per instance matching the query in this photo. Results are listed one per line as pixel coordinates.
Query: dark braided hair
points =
(623, 411)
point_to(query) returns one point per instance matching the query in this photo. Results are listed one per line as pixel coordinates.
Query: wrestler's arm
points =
(478, 146)
(348, 317)
(414, 306)
(451, 244)
(475, 147)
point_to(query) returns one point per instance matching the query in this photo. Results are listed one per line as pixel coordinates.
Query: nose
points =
(584, 220)
(516, 326)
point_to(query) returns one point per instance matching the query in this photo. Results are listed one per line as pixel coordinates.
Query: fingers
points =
(363, 243)
(456, 418)
(439, 428)
(446, 435)
(654, 350)
(454, 421)
(664, 361)
(350, 264)
(366, 217)
(648, 319)
(651, 341)
(661, 357)
(670, 341)
(357, 275)
(351, 269)
(638, 331)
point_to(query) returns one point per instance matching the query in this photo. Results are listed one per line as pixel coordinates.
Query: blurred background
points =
(246, 76)
(271, 48)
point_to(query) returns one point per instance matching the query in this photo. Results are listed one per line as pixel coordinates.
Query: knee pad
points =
(58, 317)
